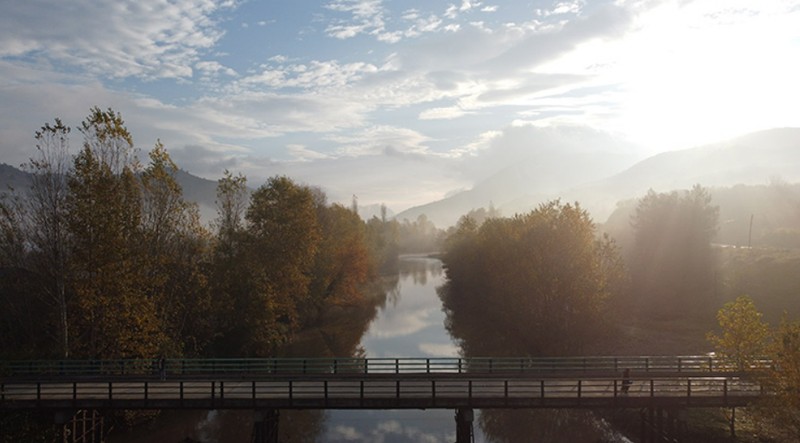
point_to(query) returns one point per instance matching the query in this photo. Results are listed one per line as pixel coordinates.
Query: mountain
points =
(753, 159)
(591, 180)
(525, 183)
(201, 191)
(13, 178)
(195, 189)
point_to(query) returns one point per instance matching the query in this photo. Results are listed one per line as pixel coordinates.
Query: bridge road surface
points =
(379, 391)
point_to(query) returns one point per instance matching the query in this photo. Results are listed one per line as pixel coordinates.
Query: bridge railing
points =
(355, 392)
(311, 366)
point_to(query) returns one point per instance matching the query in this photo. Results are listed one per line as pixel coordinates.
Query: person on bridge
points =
(162, 368)
(626, 381)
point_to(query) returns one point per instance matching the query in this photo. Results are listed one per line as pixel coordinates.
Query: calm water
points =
(411, 324)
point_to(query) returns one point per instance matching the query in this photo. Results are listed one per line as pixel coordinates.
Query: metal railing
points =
(390, 392)
(310, 366)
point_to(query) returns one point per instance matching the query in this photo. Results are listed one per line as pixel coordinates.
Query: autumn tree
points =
(115, 318)
(535, 284)
(782, 408)
(174, 256)
(342, 264)
(745, 339)
(744, 334)
(282, 240)
(272, 256)
(228, 273)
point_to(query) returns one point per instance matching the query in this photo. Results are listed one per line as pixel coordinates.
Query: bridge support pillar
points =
(265, 426)
(464, 418)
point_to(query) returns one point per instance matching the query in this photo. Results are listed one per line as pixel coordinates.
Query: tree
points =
(228, 274)
(744, 334)
(174, 256)
(231, 203)
(672, 260)
(782, 408)
(34, 233)
(541, 280)
(47, 209)
(115, 317)
(282, 239)
(383, 240)
(270, 262)
(342, 263)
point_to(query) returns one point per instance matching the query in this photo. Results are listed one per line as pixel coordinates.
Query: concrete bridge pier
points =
(464, 418)
(265, 426)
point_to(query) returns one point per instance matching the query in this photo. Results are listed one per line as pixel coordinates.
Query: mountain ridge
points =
(753, 158)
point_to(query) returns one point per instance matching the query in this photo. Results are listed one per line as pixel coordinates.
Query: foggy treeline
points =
(551, 283)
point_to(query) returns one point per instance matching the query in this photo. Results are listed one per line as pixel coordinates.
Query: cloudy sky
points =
(400, 102)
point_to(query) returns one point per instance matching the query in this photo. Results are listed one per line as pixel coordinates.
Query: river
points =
(410, 323)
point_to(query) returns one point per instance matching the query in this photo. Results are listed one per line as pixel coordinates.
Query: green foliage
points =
(535, 284)
(744, 334)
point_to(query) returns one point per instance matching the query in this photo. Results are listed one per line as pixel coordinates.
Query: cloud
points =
(439, 349)
(213, 69)
(113, 38)
(302, 153)
(366, 17)
(314, 75)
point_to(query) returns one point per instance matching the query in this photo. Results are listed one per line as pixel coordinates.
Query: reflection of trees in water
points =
(337, 335)
(420, 268)
(481, 335)
(301, 426)
(544, 426)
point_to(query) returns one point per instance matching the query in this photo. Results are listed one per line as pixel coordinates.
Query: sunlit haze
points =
(400, 103)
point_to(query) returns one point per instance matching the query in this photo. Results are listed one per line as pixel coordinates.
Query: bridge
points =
(652, 382)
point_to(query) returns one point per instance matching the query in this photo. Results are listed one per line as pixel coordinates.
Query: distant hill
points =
(524, 184)
(195, 189)
(201, 191)
(13, 178)
(757, 158)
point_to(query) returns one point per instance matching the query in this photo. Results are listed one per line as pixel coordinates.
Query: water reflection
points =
(479, 335)
(405, 319)
(411, 324)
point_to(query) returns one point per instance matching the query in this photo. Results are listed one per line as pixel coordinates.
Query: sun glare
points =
(694, 74)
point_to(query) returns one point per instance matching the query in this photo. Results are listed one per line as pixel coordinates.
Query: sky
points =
(396, 102)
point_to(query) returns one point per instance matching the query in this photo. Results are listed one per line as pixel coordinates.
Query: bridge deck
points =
(373, 384)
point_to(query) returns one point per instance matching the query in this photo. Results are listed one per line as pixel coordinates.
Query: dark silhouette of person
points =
(626, 381)
(162, 368)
